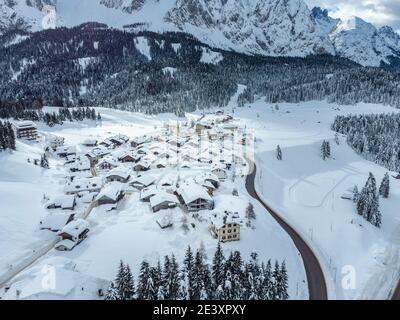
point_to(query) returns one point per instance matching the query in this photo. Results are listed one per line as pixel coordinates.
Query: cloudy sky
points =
(378, 12)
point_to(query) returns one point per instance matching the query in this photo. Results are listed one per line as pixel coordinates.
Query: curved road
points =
(315, 277)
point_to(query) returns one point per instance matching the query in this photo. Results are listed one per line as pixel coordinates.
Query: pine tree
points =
(44, 162)
(129, 291)
(144, 277)
(120, 281)
(112, 293)
(183, 293)
(356, 194)
(170, 278)
(325, 150)
(278, 153)
(328, 149)
(337, 141)
(384, 188)
(218, 274)
(188, 270)
(283, 283)
(250, 213)
(228, 286)
(268, 289)
(160, 293)
(124, 283)
(368, 202)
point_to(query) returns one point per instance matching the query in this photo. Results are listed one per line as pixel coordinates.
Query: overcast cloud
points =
(378, 12)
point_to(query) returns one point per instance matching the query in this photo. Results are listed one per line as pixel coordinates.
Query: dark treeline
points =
(28, 111)
(48, 66)
(7, 136)
(228, 278)
(374, 136)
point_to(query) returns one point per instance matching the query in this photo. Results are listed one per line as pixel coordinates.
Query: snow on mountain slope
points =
(274, 28)
(359, 40)
(355, 39)
(265, 27)
(22, 14)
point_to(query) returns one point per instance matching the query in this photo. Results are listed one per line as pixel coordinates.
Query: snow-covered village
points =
(199, 151)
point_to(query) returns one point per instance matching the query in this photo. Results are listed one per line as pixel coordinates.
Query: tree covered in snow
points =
(218, 272)
(376, 137)
(384, 188)
(21, 111)
(225, 279)
(7, 136)
(325, 150)
(368, 202)
(278, 152)
(124, 283)
(356, 194)
(112, 293)
(44, 162)
(145, 287)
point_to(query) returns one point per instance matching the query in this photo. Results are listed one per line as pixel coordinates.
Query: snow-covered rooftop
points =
(191, 191)
(162, 196)
(75, 228)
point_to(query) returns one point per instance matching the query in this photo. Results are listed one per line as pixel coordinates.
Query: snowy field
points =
(308, 190)
(130, 232)
(302, 187)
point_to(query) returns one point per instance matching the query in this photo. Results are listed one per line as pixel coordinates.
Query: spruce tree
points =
(278, 153)
(129, 291)
(218, 273)
(188, 270)
(120, 281)
(283, 283)
(356, 194)
(384, 188)
(268, 289)
(144, 276)
(44, 162)
(112, 293)
(276, 275)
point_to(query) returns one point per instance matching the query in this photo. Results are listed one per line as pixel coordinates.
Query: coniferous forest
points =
(19, 111)
(376, 137)
(7, 136)
(227, 278)
(90, 65)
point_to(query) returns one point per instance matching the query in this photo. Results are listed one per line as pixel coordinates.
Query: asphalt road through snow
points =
(315, 277)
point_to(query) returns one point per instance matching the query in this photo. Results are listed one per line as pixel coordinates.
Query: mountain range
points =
(255, 27)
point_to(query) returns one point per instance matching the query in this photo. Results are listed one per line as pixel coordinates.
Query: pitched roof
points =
(76, 227)
(111, 191)
(161, 197)
(119, 172)
(55, 221)
(191, 191)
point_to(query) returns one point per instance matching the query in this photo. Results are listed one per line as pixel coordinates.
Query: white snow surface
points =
(308, 190)
(130, 232)
(305, 189)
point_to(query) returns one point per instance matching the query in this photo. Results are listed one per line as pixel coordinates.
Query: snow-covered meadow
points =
(362, 260)
(305, 189)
